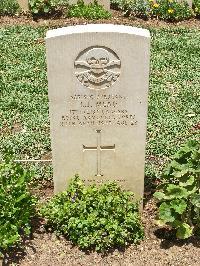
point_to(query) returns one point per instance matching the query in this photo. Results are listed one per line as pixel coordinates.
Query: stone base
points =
(24, 5)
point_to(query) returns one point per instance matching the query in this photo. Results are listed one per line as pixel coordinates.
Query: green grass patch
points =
(9, 7)
(173, 93)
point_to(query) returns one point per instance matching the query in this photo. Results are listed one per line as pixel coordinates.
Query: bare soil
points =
(160, 246)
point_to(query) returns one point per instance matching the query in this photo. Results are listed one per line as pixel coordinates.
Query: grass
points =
(174, 108)
(173, 94)
(8, 7)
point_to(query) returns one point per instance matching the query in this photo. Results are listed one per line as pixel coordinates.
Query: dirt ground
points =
(160, 246)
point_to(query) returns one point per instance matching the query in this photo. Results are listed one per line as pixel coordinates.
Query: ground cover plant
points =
(170, 10)
(23, 91)
(179, 195)
(91, 11)
(162, 9)
(137, 8)
(17, 205)
(99, 217)
(41, 7)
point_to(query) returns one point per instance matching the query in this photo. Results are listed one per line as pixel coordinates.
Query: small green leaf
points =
(179, 174)
(46, 9)
(177, 191)
(27, 230)
(160, 222)
(165, 213)
(186, 180)
(184, 231)
(179, 205)
(23, 196)
(195, 200)
(176, 223)
(191, 190)
(35, 10)
(159, 195)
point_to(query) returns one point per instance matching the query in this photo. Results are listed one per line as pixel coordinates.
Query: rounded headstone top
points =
(97, 28)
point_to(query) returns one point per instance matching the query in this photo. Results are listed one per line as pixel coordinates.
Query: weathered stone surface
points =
(24, 5)
(98, 88)
(188, 1)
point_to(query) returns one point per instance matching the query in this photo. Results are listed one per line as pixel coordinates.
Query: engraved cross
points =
(99, 148)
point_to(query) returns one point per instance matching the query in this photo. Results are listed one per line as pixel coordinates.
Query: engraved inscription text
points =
(97, 110)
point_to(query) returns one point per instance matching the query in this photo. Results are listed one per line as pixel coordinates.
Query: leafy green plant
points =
(137, 8)
(8, 7)
(116, 4)
(16, 203)
(142, 9)
(97, 217)
(196, 7)
(41, 6)
(171, 10)
(90, 11)
(179, 197)
(46, 6)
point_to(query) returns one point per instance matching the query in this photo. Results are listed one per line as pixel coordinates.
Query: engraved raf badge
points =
(97, 68)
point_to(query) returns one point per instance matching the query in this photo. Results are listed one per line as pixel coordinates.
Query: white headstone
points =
(104, 3)
(98, 86)
(188, 1)
(24, 5)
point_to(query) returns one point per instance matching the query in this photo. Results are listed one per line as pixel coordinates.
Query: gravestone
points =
(98, 87)
(24, 5)
(188, 1)
(104, 3)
